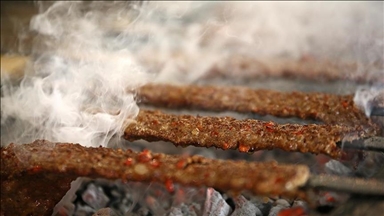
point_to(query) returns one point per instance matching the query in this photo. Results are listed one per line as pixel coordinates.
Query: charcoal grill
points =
(302, 185)
(325, 159)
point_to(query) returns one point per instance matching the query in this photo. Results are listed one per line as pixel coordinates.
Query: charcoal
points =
(175, 211)
(337, 168)
(105, 212)
(300, 203)
(280, 204)
(263, 204)
(245, 207)
(183, 210)
(215, 204)
(84, 210)
(94, 196)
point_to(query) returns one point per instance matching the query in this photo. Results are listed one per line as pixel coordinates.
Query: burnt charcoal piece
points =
(105, 212)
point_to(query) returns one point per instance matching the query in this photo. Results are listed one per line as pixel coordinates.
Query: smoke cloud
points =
(89, 57)
(77, 88)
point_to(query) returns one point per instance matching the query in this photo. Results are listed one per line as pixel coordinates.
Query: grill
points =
(253, 135)
(56, 165)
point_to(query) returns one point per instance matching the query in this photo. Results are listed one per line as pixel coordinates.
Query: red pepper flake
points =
(243, 148)
(329, 198)
(128, 162)
(155, 163)
(144, 156)
(269, 126)
(279, 180)
(35, 169)
(345, 104)
(295, 211)
(247, 127)
(207, 175)
(298, 132)
(181, 164)
(214, 133)
(225, 146)
(155, 122)
(270, 129)
(169, 186)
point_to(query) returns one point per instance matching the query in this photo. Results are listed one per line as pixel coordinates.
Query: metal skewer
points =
(372, 144)
(347, 184)
(377, 111)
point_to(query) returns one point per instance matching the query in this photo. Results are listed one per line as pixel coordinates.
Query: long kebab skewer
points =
(28, 170)
(25, 169)
(260, 178)
(328, 108)
(245, 135)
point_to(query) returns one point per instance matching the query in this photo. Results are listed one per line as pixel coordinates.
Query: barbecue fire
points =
(192, 108)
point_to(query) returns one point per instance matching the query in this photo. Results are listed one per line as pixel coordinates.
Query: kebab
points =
(35, 176)
(245, 135)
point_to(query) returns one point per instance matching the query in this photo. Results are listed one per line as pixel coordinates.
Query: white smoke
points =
(89, 57)
(366, 96)
(76, 89)
(184, 39)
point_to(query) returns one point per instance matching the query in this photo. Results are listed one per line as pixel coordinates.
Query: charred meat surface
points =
(245, 135)
(308, 67)
(50, 164)
(328, 108)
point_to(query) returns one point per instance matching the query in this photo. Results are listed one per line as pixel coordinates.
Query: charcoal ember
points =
(300, 203)
(183, 210)
(66, 205)
(129, 198)
(215, 204)
(105, 212)
(245, 207)
(357, 163)
(294, 211)
(95, 197)
(175, 211)
(84, 210)
(327, 198)
(337, 168)
(298, 208)
(121, 198)
(67, 209)
(360, 205)
(154, 205)
(280, 204)
(99, 193)
(264, 204)
(156, 197)
(370, 164)
(142, 211)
